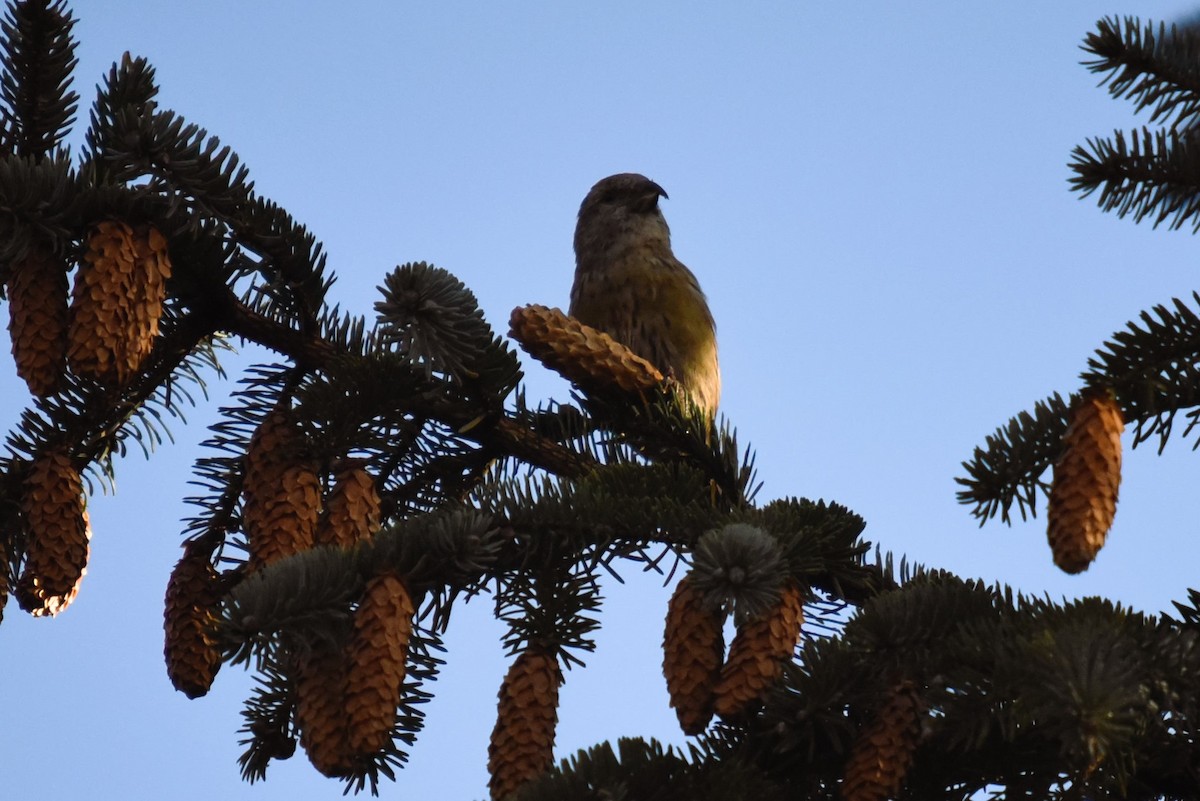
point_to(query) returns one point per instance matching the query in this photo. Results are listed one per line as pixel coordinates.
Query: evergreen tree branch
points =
(127, 96)
(92, 420)
(307, 351)
(505, 435)
(1008, 468)
(1157, 70)
(205, 180)
(268, 722)
(665, 426)
(1153, 367)
(1147, 174)
(1079, 701)
(38, 201)
(499, 434)
(38, 59)
(644, 769)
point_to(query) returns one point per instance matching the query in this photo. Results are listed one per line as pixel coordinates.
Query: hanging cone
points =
(884, 750)
(190, 622)
(58, 533)
(377, 656)
(117, 301)
(321, 711)
(758, 653)
(693, 649)
(352, 512)
(37, 323)
(281, 493)
(590, 359)
(1083, 497)
(522, 746)
(152, 268)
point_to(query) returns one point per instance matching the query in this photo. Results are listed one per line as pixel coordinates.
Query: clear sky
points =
(874, 196)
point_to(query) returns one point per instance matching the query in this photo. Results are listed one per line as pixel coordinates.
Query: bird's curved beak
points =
(649, 201)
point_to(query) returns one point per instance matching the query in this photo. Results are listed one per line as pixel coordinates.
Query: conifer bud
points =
(117, 301)
(522, 745)
(281, 492)
(1083, 497)
(884, 750)
(321, 711)
(588, 358)
(352, 513)
(693, 648)
(190, 622)
(759, 651)
(378, 654)
(57, 534)
(37, 323)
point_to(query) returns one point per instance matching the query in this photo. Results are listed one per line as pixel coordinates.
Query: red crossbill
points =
(629, 285)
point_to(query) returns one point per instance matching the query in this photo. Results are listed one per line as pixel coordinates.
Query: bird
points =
(629, 285)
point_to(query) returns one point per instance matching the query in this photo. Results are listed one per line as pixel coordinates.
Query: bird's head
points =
(618, 208)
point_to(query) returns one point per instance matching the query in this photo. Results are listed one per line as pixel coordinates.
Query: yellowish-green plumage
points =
(629, 284)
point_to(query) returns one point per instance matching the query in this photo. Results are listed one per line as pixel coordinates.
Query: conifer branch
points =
(908, 684)
(126, 97)
(38, 59)
(307, 351)
(1153, 367)
(499, 434)
(90, 419)
(1009, 467)
(1147, 174)
(1159, 69)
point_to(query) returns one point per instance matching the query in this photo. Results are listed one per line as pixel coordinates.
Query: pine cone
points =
(590, 359)
(522, 746)
(58, 533)
(37, 323)
(153, 268)
(693, 648)
(1083, 497)
(117, 301)
(321, 711)
(377, 657)
(758, 653)
(281, 493)
(352, 512)
(190, 622)
(884, 750)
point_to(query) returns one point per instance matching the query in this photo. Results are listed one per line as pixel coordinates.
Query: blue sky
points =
(873, 196)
